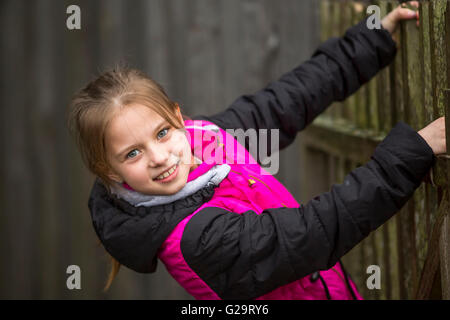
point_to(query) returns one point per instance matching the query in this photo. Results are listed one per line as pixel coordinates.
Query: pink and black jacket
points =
(247, 237)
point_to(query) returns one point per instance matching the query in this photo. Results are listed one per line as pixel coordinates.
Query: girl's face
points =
(146, 152)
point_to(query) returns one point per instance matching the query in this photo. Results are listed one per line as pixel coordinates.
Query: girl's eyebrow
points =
(160, 125)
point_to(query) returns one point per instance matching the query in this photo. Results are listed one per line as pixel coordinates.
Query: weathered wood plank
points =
(358, 14)
(444, 253)
(430, 278)
(397, 79)
(414, 93)
(394, 257)
(175, 25)
(357, 145)
(158, 60)
(402, 261)
(202, 34)
(350, 103)
(384, 105)
(112, 33)
(373, 122)
(444, 241)
(344, 21)
(15, 170)
(386, 255)
(331, 16)
(438, 45)
(430, 193)
(424, 13)
(413, 58)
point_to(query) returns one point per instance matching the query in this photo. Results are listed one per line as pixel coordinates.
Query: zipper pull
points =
(251, 182)
(314, 276)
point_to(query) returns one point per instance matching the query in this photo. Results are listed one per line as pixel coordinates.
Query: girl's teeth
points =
(166, 174)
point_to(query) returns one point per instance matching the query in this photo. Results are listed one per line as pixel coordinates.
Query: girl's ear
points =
(115, 177)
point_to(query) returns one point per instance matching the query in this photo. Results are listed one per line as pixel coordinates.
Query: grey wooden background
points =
(205, 53)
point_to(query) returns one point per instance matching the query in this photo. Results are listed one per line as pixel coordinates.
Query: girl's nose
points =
(158, 157)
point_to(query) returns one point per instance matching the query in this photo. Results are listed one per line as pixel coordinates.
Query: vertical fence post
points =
(444, 248)
(444, 241)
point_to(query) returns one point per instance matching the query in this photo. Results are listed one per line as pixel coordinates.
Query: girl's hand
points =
(390, 21)
(434, 135)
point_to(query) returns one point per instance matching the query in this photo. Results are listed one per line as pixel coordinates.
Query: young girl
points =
(186, 192)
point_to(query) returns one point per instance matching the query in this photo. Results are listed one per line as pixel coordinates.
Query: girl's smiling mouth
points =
(168, 175)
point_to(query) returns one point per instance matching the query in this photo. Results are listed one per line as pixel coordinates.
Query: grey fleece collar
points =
(215, 175)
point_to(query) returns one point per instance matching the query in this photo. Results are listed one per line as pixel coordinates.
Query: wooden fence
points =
(413, 248)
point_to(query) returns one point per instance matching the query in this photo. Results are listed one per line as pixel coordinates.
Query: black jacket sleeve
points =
(336, 70)
(245, 256)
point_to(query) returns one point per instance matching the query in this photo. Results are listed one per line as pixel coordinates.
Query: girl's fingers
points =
(406, 14)
(415, 3)
(411, 3)
(401, 12)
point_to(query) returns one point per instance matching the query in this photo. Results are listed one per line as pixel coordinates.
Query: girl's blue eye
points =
(132, 154)
(165, 132)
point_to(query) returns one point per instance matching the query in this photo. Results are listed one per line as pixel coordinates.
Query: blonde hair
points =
(92, 108)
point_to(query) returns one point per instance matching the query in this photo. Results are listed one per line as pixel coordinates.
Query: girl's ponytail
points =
(115, 267)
